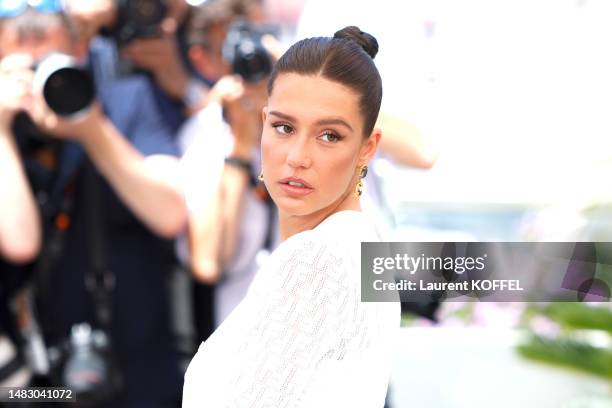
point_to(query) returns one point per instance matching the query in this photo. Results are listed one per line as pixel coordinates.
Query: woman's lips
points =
(295, 180)
(296, 191)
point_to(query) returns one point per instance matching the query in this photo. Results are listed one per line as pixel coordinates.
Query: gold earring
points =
(359, 187)
(364, 172)
(260, 177)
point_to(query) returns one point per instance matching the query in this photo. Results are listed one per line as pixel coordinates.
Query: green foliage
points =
(569, 353)
(566, 350)
(580, 316)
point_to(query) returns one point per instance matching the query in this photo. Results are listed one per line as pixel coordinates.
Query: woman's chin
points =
(294, 207)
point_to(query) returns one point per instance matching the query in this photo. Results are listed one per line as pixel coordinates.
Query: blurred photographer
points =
(231, 251)
(145, 37)
(231, 217)
(20, 229)
(100, 162)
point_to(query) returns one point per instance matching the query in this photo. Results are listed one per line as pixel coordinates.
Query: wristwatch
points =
(195, 92)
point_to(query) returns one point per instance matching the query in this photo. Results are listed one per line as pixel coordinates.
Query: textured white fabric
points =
(301, 337)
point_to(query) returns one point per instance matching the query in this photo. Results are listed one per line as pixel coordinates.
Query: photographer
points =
(20, 229)
(231, 217)
(139, 205)
(146, 37)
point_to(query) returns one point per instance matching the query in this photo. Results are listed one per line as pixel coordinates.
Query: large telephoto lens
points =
(68, 88)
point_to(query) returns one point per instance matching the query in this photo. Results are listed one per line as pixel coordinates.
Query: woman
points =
(301, 336)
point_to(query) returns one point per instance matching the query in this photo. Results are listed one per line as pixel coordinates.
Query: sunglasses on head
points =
(13, 8)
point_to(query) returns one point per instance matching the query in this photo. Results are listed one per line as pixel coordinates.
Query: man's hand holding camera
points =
(91, 15)
(19, 94)
(160, 56)
(81, 129)
(16, 83)
(244, 116)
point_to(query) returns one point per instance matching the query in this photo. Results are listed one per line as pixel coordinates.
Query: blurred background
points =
(503, 112)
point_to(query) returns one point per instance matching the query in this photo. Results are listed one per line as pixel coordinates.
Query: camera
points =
(244, 50)
(138, 19)
(68, 88)
(85, 363)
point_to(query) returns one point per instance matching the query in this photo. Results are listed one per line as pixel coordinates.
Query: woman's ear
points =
(369, 147)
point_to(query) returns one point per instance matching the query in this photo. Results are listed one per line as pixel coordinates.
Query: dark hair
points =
(347, 58)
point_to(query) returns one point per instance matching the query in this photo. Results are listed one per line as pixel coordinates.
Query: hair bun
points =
(365, 40)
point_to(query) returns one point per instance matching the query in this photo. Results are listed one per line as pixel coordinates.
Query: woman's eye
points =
(330, 137)
(283, 128)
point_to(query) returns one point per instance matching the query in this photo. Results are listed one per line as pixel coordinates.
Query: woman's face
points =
(312, 144)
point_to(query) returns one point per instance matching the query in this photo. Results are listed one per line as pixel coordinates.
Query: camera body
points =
(68, 87)
(138, 19)
(85, 363)
(243, 48)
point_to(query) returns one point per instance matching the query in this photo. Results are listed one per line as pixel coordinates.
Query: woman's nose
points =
(299, 153)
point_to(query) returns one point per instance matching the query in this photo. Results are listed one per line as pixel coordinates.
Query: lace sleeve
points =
(305, 302)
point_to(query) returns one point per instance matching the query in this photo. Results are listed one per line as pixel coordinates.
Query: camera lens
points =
(138, 19)
(253, 66)
(68, 91)
(244, 49)
(67, 88)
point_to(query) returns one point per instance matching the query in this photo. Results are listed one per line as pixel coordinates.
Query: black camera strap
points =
(99, 280)
(59, 202)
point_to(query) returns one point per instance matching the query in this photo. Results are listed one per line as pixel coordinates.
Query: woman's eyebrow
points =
(283, 116)
(331, 121)
(335, 122)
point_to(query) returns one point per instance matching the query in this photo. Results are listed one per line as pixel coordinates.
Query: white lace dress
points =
(301, 337)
